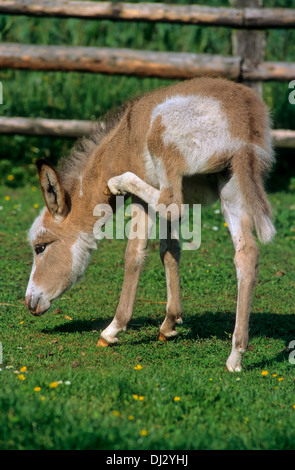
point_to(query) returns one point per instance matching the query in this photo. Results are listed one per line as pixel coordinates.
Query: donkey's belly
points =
(200, 189)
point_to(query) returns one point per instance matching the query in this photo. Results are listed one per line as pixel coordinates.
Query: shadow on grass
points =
(79, 326)
(199, 326)
(270, 326)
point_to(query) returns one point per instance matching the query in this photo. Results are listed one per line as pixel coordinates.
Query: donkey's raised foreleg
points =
(170, 256)
(134, 259)
(246, 261)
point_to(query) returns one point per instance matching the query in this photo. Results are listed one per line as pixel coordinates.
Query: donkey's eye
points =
(40, 248)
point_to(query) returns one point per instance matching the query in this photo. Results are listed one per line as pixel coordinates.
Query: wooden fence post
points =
(249, 44)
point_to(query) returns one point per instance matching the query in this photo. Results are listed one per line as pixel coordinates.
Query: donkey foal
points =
(190, 143)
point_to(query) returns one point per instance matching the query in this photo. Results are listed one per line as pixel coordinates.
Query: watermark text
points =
(160, 221)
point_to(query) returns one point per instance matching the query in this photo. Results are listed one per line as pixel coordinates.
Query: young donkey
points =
(161, 150)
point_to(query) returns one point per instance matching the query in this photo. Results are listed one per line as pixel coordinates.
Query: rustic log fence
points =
(246, 17)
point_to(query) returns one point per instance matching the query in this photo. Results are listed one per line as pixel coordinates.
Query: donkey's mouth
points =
(37, 306)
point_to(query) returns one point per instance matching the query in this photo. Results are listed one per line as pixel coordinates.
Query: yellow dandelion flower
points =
(130, 417)
(37, 389)
(21, 322)
(10, 177)
(176, 398)
(274, 375)
(276, 388)
(135, 397)
(21, 377)
(264, 373)
(294, 406)
(143, 432)
(280, 379)
(36, 206)
(53, 384)
(116, 413)
(138, 367)
(24, 369)
(225, 224)
(34, 188)
(42, 398)
(141, 398)
(7, 198)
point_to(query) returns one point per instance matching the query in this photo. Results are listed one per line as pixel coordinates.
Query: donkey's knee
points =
(247, 262)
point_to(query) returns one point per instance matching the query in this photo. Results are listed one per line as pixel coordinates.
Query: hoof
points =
(107, 192)
(162, 337)
(102, 343)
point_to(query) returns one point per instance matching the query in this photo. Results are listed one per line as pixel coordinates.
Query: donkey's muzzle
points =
(37, 306)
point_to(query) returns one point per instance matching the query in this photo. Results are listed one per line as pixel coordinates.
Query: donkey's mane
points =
(71, 166)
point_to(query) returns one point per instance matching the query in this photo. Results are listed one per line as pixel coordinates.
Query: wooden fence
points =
(247, 65)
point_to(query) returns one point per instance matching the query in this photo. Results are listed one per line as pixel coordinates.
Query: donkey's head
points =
(61, 248)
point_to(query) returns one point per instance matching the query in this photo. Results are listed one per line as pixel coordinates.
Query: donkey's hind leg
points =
(246, 261)
(170, 256)
(130, 183)
(162, 201)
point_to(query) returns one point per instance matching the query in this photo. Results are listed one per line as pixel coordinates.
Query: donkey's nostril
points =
(27, 301)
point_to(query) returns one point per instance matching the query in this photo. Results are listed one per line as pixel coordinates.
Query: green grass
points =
(94, 406)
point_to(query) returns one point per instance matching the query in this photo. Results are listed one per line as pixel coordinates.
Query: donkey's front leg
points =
(134, 259)
(170, 256)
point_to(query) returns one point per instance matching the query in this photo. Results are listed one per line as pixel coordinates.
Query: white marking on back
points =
(197, 127)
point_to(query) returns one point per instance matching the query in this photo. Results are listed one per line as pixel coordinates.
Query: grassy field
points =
(58, 391)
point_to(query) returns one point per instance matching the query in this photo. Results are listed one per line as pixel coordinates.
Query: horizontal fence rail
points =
(187, 14)
(172, 65)
(169, 65)
(75, 128)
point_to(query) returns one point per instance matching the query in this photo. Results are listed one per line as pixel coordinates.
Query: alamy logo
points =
(188, 229)
(292, 94)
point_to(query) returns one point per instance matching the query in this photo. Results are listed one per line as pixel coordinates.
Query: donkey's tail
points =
(251, 165)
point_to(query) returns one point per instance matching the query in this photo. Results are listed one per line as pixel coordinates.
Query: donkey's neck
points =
(112, 157)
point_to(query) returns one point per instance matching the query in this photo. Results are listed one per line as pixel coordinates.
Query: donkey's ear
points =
(53, 192)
